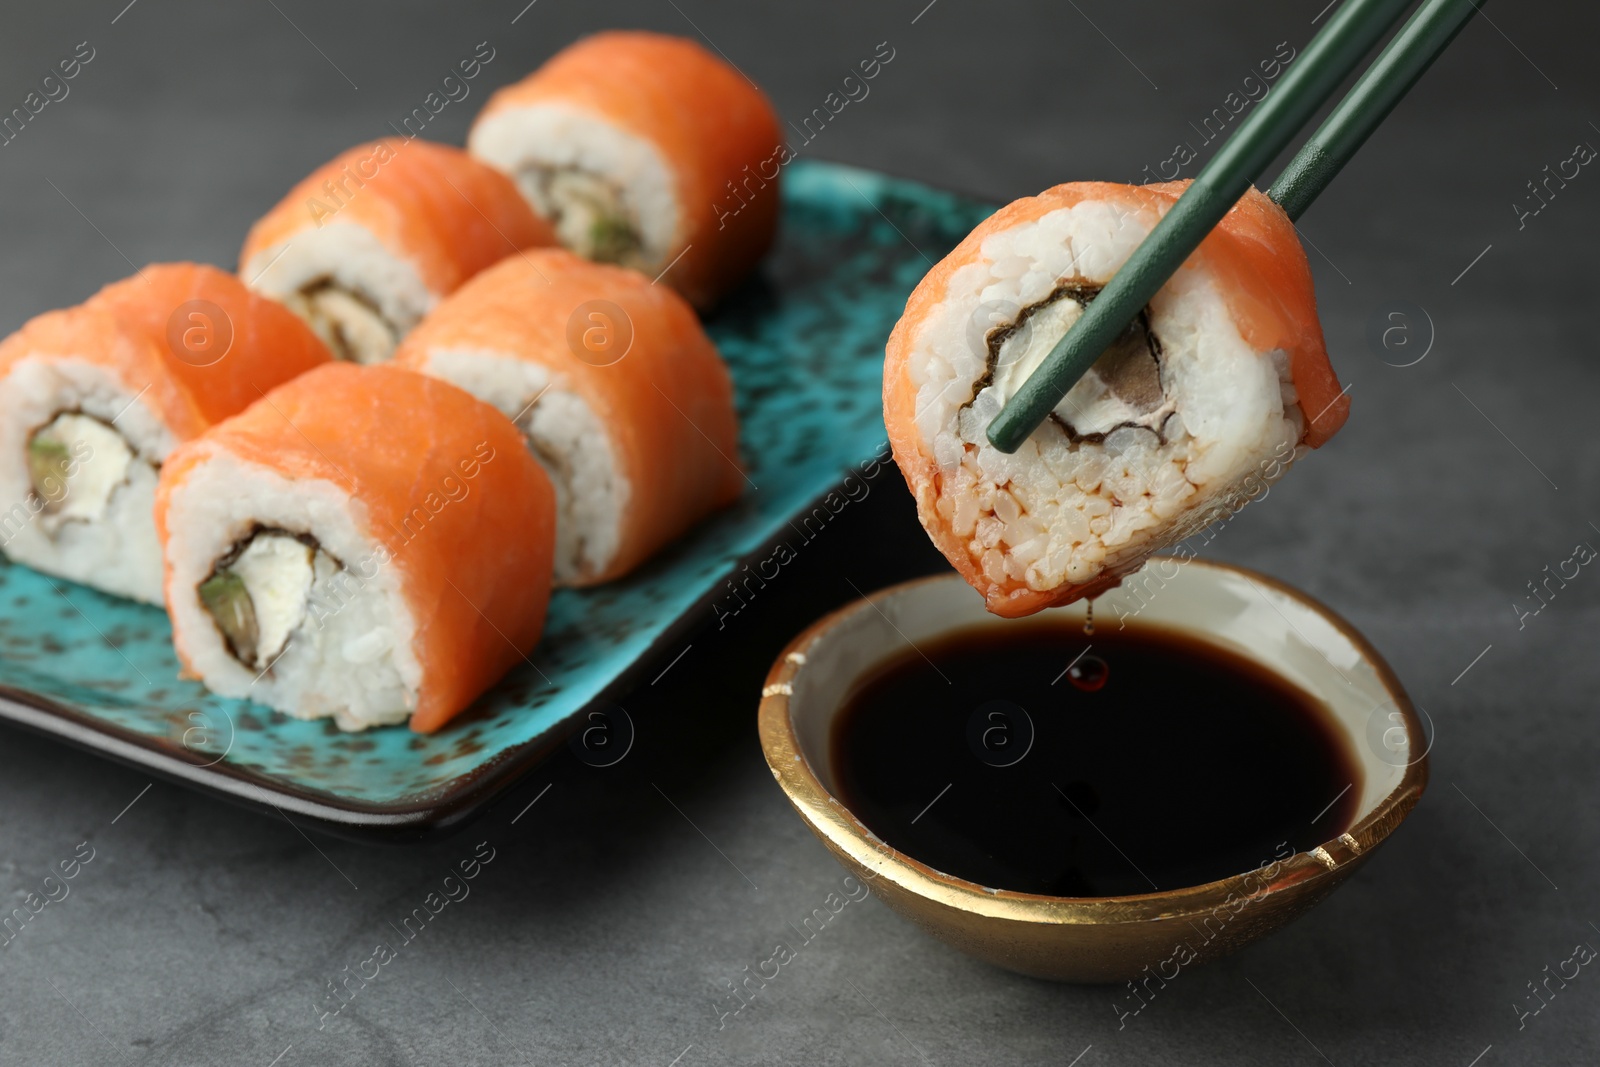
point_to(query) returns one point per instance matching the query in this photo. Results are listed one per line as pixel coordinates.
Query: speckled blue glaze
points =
(805, 342)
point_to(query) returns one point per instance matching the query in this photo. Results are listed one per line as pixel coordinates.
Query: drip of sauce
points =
(1088, 616)
(1166, 762)
(1089, 672)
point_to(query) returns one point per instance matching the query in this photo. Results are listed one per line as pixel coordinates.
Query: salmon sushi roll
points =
(1220, 384)
(372, 239)
(95, 397)
(632, 145)
(616, 389)
(363, 543)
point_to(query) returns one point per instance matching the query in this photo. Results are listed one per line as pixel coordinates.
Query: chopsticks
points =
(1330, 57)
(1405, 59)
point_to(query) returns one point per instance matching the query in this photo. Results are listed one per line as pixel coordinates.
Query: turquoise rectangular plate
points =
(805, 343)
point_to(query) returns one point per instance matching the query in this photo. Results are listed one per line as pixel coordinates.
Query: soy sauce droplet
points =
(1089, 673)
(1088, 617)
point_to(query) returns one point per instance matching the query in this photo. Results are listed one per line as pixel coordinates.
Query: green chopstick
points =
(1406, 58)
(1327, 60)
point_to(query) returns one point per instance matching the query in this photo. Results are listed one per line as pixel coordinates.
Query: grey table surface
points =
(615, 909)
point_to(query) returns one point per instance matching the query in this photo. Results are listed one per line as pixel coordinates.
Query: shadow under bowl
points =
(1102, 939)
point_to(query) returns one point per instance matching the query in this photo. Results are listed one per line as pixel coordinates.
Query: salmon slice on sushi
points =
(1221, 382)
(617, 390)
(95, 397)
(364, 544)
(628, 142)
(366, 244)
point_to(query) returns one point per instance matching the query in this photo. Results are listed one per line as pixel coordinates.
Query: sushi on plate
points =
(1219, 385)
(363, 543)
(617, 389)
(633, 144)
(94, 398)
(366, 244)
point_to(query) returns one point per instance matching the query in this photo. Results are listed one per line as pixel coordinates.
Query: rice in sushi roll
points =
(629, 143)
(94, 398)
(364, 543)
(619, 392)
(1218, 386)
(371, 240)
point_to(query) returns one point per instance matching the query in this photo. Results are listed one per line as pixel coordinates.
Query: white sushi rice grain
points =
(1060, 510)
(101, 532)
(349, 653)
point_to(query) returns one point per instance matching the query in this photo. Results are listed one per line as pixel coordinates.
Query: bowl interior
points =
(1247, 613)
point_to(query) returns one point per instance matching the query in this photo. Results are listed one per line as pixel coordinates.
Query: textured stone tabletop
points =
(604, 920)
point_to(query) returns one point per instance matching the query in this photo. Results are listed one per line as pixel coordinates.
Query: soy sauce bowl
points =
(1102, 939)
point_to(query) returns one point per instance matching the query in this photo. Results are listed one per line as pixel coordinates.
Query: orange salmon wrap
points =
(372, 239)
(642, 148)
(364, 543)
(93, 398)
(618, 390)
(1204, 401)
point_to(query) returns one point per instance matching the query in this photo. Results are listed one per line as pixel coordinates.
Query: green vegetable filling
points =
(227, 599)
(47, 469)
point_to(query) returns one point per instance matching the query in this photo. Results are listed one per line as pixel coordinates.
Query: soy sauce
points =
(1038, 759)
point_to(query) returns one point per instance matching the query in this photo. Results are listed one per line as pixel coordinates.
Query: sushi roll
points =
(372, 239)
(363, 543)
(634, 145)
(95, 397)
(1221, 383)
(614, 385)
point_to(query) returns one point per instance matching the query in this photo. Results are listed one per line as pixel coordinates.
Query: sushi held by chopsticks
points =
(370, 241)
(1222, 380)
(1102, 370)
(93, 398)
(628, 142)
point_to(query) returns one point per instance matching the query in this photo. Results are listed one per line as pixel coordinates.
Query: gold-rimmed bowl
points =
(1103, 939)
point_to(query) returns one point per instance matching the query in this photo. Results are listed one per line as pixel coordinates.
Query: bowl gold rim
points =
(842, 832)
